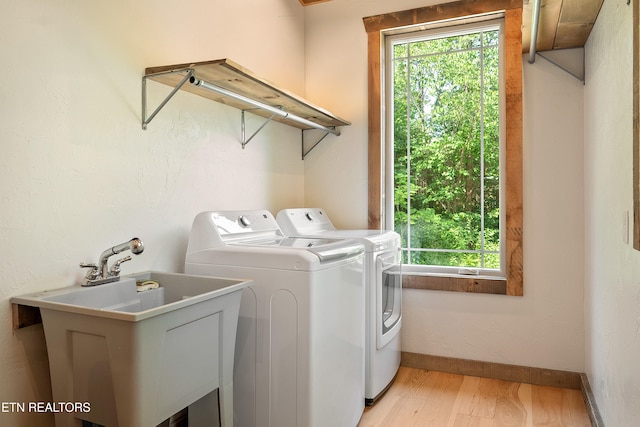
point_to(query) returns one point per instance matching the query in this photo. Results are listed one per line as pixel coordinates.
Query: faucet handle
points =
(92, 274)
(88, 265)
(115, 268)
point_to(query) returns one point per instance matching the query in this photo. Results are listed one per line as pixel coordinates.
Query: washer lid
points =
(314, 222)
(323, 248)
(253, 238)
(285, 254)
(373, 240)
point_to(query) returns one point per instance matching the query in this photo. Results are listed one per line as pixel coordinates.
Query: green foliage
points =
(446, 141)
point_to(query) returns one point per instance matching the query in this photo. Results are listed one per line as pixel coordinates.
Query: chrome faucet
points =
(100, 274)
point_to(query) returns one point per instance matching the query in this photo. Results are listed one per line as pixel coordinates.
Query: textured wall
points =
(77, 173)
(612, 279)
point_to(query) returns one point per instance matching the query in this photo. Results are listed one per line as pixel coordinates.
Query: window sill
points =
(471, 284)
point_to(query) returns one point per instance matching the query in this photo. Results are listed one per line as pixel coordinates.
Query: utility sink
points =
(113, 300)
(136, 358)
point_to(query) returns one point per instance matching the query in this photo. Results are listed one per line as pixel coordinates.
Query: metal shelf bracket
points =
(304, 152)
(276, 111)
(246, 140)
(335, 131)
(146, 120)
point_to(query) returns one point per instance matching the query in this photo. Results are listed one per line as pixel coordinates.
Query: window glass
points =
(443, 111)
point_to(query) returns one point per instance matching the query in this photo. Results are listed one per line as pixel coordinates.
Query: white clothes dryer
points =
(299, 356)
(383, 291)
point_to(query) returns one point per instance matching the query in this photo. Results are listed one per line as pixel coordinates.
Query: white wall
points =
(544, 328)
(612, 279)
(77, 173)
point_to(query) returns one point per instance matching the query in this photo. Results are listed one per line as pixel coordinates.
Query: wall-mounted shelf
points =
(227, 82)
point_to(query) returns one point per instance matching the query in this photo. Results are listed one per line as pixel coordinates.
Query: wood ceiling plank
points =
(563, 23)
(580, 11)
(549, 16)
(571, 35)
(576, 21)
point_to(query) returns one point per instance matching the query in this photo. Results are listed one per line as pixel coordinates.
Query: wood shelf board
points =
(564, 24)
(228, 75)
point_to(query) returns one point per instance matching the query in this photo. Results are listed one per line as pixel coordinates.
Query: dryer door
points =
(388, 296)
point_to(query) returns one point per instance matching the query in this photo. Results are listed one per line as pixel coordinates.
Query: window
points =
(381, 27)
(443, 109)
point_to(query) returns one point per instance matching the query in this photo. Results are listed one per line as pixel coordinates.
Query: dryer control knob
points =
(308, 215)
(244, 221)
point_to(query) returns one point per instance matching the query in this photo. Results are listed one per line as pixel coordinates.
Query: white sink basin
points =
(139, 357)
(115, 296)
(113, 300)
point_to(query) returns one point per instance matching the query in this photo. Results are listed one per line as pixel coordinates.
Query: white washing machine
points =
(299, 357)
(383, 291)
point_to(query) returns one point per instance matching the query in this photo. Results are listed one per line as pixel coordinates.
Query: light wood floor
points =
(430, 398)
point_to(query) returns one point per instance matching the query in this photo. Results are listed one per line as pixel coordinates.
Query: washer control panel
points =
(301, 221)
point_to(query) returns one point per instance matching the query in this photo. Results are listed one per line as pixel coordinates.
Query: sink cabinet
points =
(136, 365)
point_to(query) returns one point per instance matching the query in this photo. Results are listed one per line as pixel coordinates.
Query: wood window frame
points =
(374, 26)
(636, 125)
